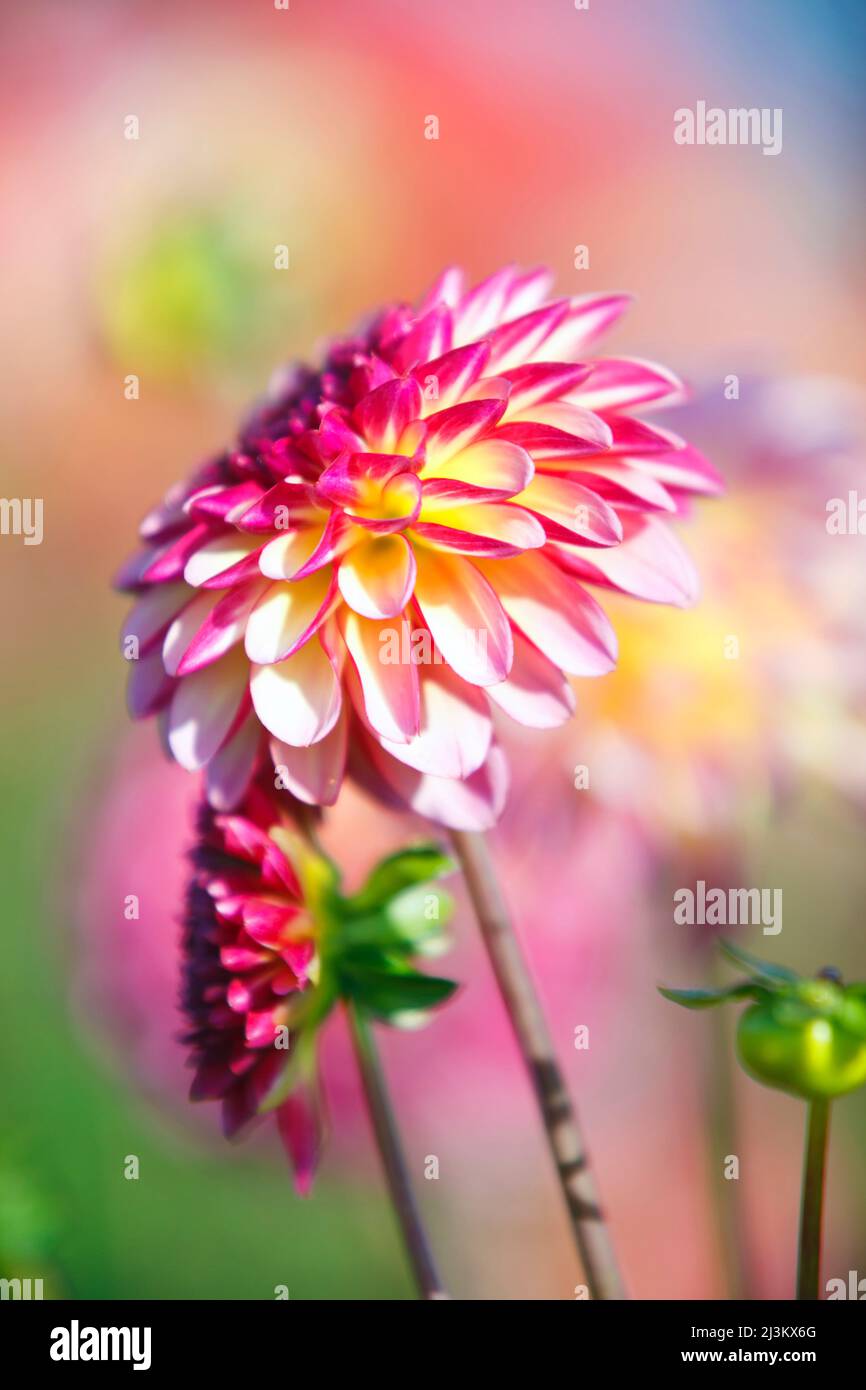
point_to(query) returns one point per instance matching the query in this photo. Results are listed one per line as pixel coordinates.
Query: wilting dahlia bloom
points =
(270, 946)
(406, 538)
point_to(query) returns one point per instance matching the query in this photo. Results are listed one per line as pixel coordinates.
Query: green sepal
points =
(385, 993)
(770, 974)
(407, 868)
(709, 998)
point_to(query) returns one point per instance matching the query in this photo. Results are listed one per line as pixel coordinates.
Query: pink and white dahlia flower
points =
(406, 539)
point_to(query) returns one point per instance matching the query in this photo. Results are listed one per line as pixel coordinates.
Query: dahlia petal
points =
(527, 292)
(224, 503)
(454, 732)
(339, 534)
(298, 700)
(588, 316)
(169, 514)
(183, 629)
(620, 483)
(377, 577)
(397, 506)
(284, 507)
(429, 337)
(169, 564)
(300, 1125)
(555, 613)
(465, 617)
(537, 382)
(536, 693)
(389, 687)
(152, 613)
(493, 466)
(480, 310)
(283, 557)
(631, 436)
(448, 288)
(517, 342)
(287, 615)
(651, 563)
(458, 426)
(684, 468)
(560, 418)
(230, 772)
(620, 383)
(149, 687)
(384, 414)
(475, 803)
(571, 512)
(490, 528)
(315, 774)
(453, 374)
(204, 708)
(217, 558)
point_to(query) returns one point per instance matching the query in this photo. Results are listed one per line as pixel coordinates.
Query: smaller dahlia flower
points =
(271, 946)
(405, 543)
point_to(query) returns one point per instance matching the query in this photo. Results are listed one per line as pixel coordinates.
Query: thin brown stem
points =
(812, 1205)
(565, 1141)
(393, 1160)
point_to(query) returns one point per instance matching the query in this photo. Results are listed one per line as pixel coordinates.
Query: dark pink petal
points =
(429, 337)
(168, 565)
(224, 503)
(458, 426)
(453, 374)
(382, 416)
(632, 436)
(224, 626)
(448, 289)
(299, 1120)
(588, 316)
(537, 382)
(283, 507)
(524, 338)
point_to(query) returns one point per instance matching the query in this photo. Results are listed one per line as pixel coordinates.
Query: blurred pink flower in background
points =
(709, 720)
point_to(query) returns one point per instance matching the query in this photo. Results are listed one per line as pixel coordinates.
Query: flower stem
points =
(393, 1159)
(812, 1203)
(524, 1009)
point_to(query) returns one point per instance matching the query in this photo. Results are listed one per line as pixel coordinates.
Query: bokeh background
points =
(261, 127)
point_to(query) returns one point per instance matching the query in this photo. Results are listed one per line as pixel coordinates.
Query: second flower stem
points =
(393, 1159)
(565, 1141)
(812, 1205)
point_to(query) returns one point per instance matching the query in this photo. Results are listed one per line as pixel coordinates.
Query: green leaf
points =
(709, 998)
(384, 993)
(774, 974)
(405, 869)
